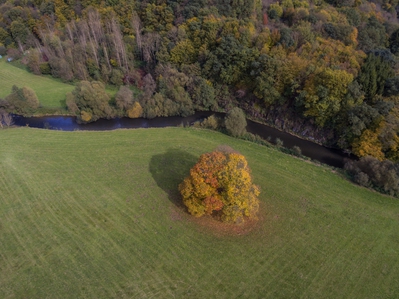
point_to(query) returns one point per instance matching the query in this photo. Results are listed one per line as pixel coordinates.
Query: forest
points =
(325, 70)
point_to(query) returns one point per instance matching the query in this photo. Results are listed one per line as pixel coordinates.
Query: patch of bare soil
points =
(218, 228)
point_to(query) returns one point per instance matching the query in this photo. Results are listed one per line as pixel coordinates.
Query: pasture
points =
(97, 215)
(48, 90)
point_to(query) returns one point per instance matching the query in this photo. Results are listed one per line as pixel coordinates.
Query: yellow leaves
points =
(353, 36)
(325, 91)
(368, 145)
(85, 116)
(136, 111)
(183, 53)
(277, 8)
(333, 53)
(220, 182)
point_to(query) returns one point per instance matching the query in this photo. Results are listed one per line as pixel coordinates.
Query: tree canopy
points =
(319, 68)
(220, 185)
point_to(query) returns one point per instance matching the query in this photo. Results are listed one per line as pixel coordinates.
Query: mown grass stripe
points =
(94, 214)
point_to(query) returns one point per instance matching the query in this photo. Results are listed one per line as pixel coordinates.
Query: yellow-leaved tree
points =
(220, 185)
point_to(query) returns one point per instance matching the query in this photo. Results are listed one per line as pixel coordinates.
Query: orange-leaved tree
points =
(220, 184)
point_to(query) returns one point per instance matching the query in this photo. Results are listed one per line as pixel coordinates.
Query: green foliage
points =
(91, 100)
(157, 17)
(48, 90)
(324, 94)
(175, 98)
(275, 11)
(124, 98)
(374, 73)
(339, 31)
(236, 122)
(204, 95)
(239, 9)
(296, 150)
(373, 35)
(265, 72)
(288, 61)
(3, 35)
(22, 100)
(394, 42)
(381, 175)
(212, 122)
(183, 53)
(19, 31)
(230, 61)
(279, 142)
(220, 184)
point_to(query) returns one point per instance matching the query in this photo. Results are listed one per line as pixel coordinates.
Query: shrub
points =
(135, 111)
(91, 99)
(235, 122)
(381, 175)
(296, 150)
(22, 100)
(211, 122)
(279, 142)
(362, 179)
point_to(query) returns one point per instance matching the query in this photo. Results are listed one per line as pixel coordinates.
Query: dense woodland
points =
(326, 70)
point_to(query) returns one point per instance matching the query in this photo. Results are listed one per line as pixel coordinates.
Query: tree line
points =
(324, 69)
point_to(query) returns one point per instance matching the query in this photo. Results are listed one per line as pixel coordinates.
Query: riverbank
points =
(309, 149)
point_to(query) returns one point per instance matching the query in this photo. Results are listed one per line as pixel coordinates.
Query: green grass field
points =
(49, 91)
(97, 215)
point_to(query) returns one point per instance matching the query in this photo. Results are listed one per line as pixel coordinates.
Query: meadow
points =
(50, 91)
(98, 215)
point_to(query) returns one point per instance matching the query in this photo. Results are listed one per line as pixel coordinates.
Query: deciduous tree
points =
(220, 184)
(91, 99)
(235, 122)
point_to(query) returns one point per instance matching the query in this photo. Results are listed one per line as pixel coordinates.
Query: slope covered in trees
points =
(323, 69)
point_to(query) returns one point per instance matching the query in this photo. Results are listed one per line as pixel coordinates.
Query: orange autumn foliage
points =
(220, 184)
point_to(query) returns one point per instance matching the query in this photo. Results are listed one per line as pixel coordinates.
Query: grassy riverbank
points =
(49, 91)
(96, 215)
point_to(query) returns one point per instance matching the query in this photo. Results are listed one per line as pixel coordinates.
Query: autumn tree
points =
(220, 185)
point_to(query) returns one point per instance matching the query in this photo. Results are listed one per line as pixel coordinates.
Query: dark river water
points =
(310, 149)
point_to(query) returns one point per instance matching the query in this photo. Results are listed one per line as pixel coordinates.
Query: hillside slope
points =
(97, 215)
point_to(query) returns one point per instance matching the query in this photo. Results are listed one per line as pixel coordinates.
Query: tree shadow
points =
(170, 169)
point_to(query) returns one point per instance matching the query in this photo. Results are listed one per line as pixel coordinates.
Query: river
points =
(309, 149)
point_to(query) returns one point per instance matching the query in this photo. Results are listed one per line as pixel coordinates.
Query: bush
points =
(236, 122)
(135, 111)
(45, 68)
(211, 122)
(279, 142)
(22, 100)
(362, 179)
(91, 100)
(6, 119)
(381, 175)
(3, 50)
(296, 150)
